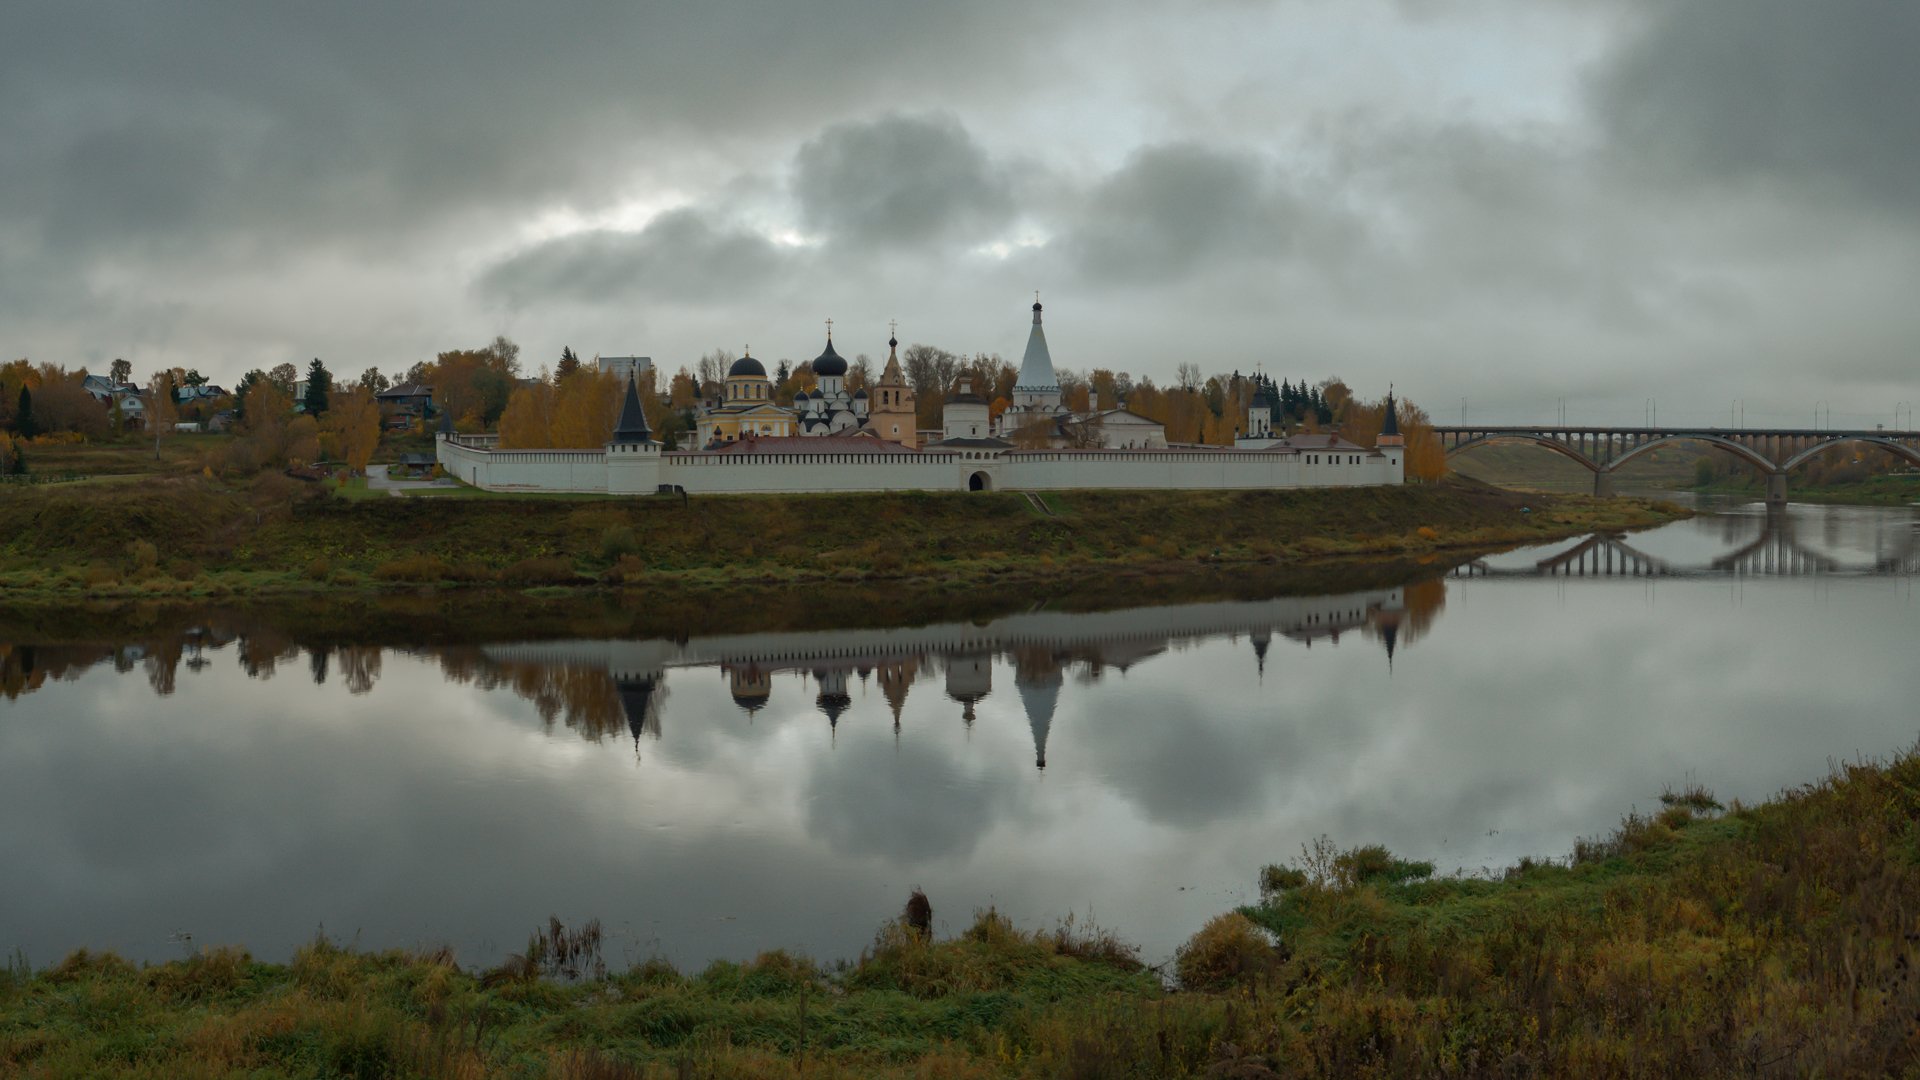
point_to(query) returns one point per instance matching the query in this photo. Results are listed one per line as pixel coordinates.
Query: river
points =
(710, 795)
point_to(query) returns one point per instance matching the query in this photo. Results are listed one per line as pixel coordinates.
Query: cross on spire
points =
(829, 329)
(893, 327)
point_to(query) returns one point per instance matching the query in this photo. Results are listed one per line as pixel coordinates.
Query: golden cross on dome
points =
(829, 329)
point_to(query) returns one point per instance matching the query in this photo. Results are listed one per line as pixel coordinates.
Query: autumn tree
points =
(585, 410)
(284, 376)
(527, 421)
(373, 382)
(350, 430)
(160, 408)
(120, 372)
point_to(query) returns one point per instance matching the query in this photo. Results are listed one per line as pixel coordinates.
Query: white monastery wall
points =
(525, 470)
(642, 472)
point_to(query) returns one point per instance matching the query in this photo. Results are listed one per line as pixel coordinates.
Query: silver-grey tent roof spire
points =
(632, 427)
(1036, 367)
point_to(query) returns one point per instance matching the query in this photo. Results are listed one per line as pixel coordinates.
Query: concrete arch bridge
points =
(1775, 452)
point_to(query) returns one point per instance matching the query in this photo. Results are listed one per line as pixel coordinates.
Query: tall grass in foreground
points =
(1777, 940)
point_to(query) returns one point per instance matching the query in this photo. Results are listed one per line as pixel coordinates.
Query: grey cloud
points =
(682, 254)
(901, 180)
(1817, 98)
(1173, 209)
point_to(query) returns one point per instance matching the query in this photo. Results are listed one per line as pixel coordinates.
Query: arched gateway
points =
(980, 481)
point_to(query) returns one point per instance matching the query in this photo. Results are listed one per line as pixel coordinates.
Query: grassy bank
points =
(1895, 489)
(1776, 940)
(195, 537)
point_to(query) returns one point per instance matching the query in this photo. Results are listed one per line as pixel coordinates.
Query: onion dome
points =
(860, 393)
(802, 396)
(747, 366)
(829, 363)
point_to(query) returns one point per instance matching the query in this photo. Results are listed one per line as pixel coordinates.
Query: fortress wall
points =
(1191, 470)
(588, 470)
(524, 470)
(746, 473)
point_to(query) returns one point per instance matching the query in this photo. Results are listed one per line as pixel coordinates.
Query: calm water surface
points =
(716, 796)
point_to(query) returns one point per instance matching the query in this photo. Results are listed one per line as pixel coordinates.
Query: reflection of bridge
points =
(1603, 450)
(1774, 553)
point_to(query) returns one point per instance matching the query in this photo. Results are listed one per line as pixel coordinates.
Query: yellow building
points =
(890, 412)
(746, 408)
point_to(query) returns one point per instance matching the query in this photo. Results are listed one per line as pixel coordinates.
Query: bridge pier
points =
(1602, 484)
(1777, 489)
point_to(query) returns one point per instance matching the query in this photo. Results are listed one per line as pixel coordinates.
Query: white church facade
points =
(829, 447)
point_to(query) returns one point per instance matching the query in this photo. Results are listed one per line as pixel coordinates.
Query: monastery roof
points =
(1036, 366)
(1320, 441)
(969, 444)
(815, 444)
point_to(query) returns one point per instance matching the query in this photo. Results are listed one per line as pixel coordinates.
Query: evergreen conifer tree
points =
(569, 363)
(319, 388)
(23, 421)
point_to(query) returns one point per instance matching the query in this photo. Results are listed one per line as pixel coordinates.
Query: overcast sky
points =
(1507, 201)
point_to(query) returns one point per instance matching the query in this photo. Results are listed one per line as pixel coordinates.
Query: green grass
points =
(60, 540)
(1774, 940)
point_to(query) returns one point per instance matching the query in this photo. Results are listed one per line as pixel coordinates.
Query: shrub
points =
(318, 569)
(142, 557)
(551, 570)
(414, 568)
(1227, 950)
(1275, 880)
(617, 541)
(1375, 865)
(628, 570)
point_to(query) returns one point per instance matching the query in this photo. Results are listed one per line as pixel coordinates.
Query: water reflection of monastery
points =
(955, 660)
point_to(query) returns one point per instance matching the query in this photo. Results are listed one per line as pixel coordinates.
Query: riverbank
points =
(1776, 939)
(196, 538)
(1900, 489)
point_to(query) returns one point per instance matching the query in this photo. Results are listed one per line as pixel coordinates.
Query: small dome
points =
(746, 366)
(829, 362)
(860, 393)
(803, 396)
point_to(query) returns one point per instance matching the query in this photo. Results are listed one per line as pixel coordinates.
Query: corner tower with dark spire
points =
(633, 458)
(1390, 443)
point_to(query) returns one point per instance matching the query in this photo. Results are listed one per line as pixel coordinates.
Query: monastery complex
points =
(831, 439)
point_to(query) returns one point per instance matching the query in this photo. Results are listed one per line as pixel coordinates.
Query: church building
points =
(746, 408)
(828, 409)
(891, 409)
(1038, 416)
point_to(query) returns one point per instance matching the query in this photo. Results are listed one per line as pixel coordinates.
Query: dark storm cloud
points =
(681, 254)
(1817, 98)
(124, 121)
(1172, 210)
(899, 181)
